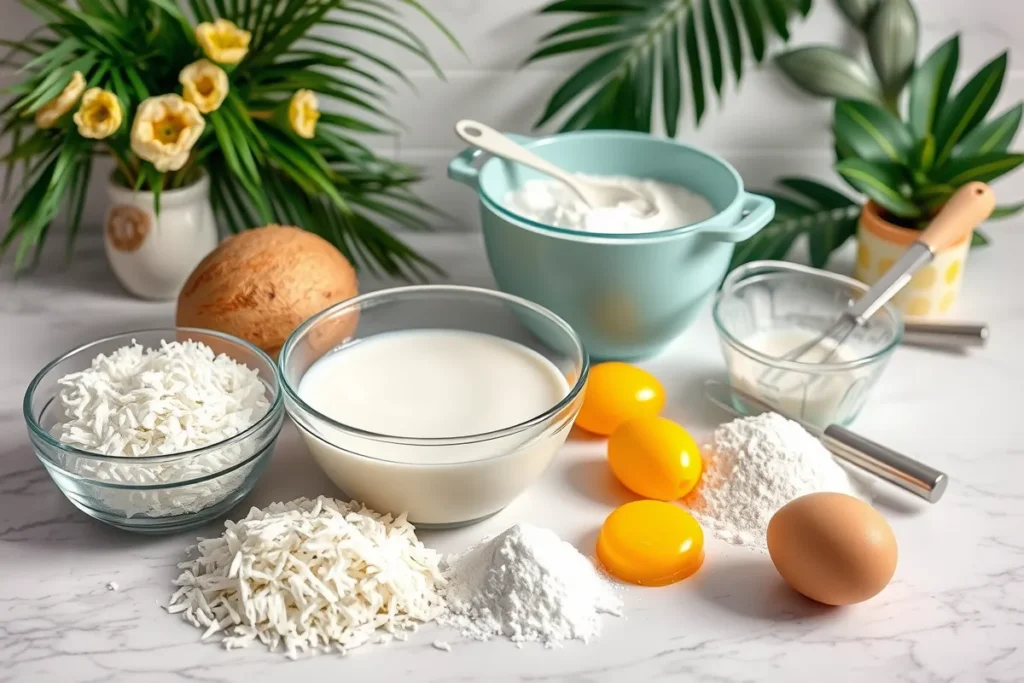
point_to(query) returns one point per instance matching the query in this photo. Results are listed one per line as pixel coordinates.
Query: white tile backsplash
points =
(764, 127)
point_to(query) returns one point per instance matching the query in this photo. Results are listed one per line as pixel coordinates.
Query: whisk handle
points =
(909, 474)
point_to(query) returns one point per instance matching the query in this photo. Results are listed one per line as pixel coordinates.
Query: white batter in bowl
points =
(553, 203)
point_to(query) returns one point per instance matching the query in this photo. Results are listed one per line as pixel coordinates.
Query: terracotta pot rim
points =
(871, 220)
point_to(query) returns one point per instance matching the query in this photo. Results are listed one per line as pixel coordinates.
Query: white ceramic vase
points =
(153, 255)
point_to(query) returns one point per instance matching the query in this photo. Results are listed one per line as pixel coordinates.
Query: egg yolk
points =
(651, 543)
(655, 458)
(617, 392)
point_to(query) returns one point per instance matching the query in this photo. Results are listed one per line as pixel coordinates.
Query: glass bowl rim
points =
(403, 292)
(276, 404)
(769, 268)
(170, 486)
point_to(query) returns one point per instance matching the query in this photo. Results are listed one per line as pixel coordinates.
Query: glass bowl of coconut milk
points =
(765, 309)
(442, 402)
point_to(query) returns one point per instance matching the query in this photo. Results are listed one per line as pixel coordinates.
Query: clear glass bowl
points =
(188, 489)
(765, 300)
(481, 473)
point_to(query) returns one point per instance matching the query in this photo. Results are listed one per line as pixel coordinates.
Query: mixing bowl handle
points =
(758, 211)
(462, 169)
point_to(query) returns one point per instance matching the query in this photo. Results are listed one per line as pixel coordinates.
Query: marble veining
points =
(955, 611)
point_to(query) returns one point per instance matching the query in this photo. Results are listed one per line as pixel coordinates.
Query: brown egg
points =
(261, 284)
(833, 548)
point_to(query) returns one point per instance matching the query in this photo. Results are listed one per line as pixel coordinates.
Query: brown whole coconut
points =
(263, 283)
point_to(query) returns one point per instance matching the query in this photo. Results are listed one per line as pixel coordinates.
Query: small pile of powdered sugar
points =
(754, 466)
(529, 585)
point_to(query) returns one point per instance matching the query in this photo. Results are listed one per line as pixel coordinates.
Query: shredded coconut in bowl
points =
(136, 403)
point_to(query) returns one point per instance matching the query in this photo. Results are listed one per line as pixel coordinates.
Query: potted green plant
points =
(909, 167)
(904, 139)
(211, 113)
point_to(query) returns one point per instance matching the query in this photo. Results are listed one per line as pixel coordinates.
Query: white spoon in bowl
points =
(595, 195)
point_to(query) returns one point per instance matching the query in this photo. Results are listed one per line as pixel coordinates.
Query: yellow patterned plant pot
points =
(930, 293)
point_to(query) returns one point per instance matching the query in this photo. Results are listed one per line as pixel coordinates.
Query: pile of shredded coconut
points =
(529, 585)
(140, 402)
(310, 575)
(753, 467)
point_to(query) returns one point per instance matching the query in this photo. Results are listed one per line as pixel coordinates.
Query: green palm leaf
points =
(638, 42)
(871, 132)
(994, 136)
(881, 182)
(334, 185)
(1007, 211)
(969, 107)
(983, 167)
(826, 216)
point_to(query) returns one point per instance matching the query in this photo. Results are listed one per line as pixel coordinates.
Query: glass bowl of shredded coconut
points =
(159, 430)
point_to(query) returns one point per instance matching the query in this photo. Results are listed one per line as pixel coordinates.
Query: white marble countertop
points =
(954, 612)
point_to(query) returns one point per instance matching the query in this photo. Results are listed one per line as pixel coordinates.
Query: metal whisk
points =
(969, 206)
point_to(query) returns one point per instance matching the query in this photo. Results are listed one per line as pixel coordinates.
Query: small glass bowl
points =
(188, 489)
(763, 299)
(482, 473)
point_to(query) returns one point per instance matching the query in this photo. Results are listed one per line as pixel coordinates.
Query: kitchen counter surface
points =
(954, 612)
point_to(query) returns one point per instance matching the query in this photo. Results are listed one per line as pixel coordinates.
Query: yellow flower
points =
(303, 112)
(204, 84)
(165, 130)
(100, 114)
(222, 41)
(50, 113)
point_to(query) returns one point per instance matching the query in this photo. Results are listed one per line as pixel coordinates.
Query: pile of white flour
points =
(754, 466)
(529, 585)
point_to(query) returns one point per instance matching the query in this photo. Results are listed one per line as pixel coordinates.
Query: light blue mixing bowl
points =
(627, 296)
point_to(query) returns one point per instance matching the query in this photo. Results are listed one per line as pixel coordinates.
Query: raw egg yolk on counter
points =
(617, 392)
(655, 458)
(650, 543)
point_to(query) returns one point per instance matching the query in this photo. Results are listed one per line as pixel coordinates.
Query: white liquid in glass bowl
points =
(435, 384)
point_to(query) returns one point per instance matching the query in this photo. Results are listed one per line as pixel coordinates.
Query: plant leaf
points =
(776, 11)
(871, 132)
(712, 46)
(594, 71)
(979, 239)
(731, 24)
(858, 11)
(1006, 211)
(881, 183)
(994, 136)
(892, 43)
(984, 167)
(826, 216)
(930, 84)
(822, 195)
(671, 87)
(755, 31)
(969, 107)
(924, 153)
(826, 72)
(643, 92)
(696, 68)
(675, 28)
